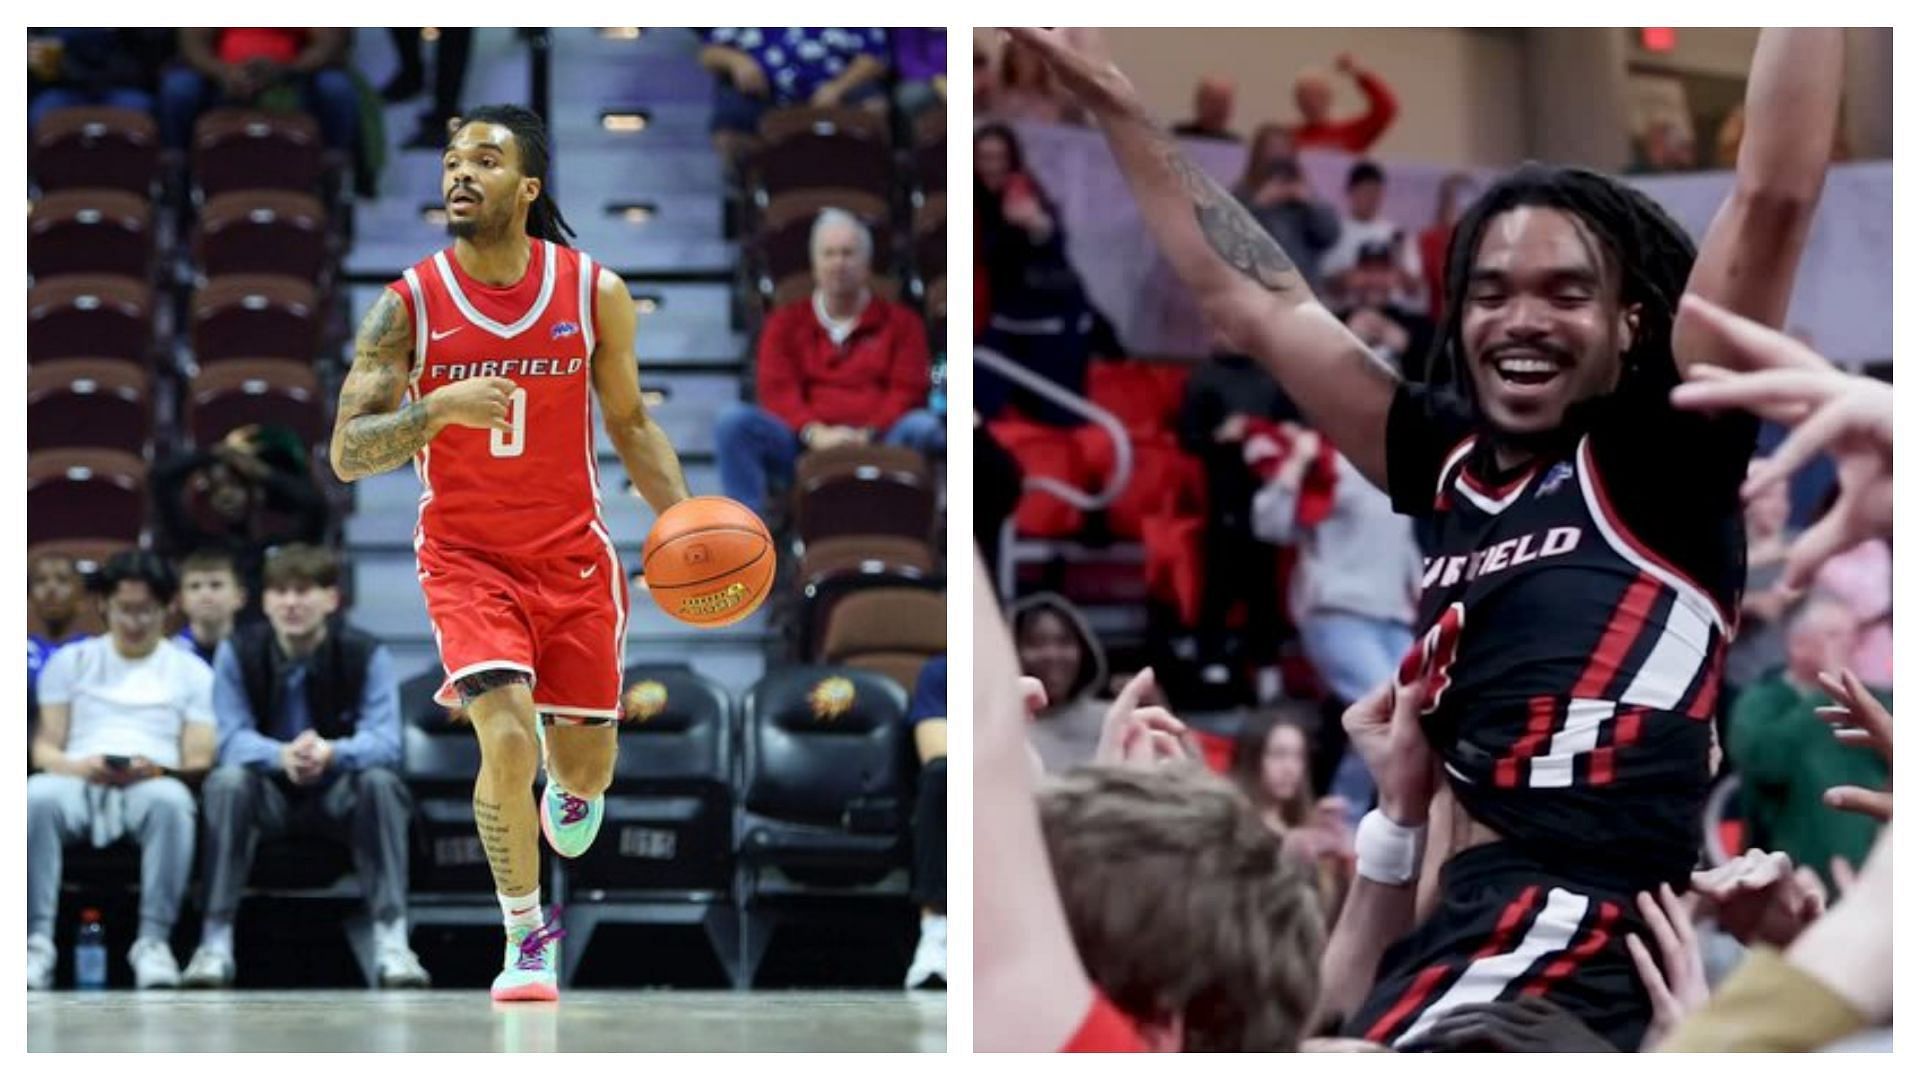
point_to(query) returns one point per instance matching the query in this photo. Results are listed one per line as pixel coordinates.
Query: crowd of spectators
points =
(207, 739)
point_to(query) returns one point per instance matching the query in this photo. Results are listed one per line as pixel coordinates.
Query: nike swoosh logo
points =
(438, 334)
(588, 572)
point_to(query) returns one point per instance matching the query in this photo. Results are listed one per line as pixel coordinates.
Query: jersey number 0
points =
(512, 443)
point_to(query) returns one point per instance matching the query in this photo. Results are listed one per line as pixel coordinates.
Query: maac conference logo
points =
(645, 700)
(565, 329)
(831, 698)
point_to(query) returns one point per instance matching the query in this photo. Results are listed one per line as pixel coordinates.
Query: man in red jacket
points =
(842, 366)
(1317, 129)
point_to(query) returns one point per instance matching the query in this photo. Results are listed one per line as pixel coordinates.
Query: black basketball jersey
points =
(1581, 606)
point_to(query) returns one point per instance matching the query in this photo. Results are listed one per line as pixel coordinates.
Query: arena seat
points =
(92, 316)
(840, 565)
(780, 125)
(229, 395)
(263, 232)
(863, 490)
(809, 160)
(242, 149)
(90, 231)
(1144, 395)
(1166, 480)
(94, 495)
(1043, 450)
(97, 147)
(889, 630)
(88, 403)
(251, 316)
(824, 800)
(665, 852)
(790, 206)
(783, 251)
(930, 166)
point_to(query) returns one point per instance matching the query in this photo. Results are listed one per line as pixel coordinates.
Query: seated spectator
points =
(72, 66)
(275, 68)
(452, 48)
(309, 715)
(1787, 755)
(1364, 226)
(251, 491)
(1270, 765)
(211, 596)
(927, 716)
(919, 68)
(769, 67)
(1212, 111)
(125, 719)
(53, 588)
(1025, 90)
(1354, 589)
(1276, 193)
(1317, 130)
(1760, 644)
(843, 366)
(1037, 310)
(1058, 648)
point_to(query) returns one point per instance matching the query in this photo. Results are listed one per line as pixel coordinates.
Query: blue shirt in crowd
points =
(254, 742)
(800, 59)
(929, 692)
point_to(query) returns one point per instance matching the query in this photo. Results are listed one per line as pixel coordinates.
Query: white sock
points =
(217, 936)
(390, 935)
(521, 911)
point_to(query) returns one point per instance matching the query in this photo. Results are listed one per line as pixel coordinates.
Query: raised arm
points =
(1248, 288)
(1030, 990)
(1747, 261)
(643, 447)
(372, 431)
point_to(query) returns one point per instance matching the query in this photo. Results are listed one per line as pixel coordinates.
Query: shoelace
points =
(534, 946)
(573, 809)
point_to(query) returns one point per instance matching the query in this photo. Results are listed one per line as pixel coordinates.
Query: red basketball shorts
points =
(562, 620)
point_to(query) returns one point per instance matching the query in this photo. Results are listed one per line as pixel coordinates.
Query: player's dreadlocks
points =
(544, 221)
(1652, 253)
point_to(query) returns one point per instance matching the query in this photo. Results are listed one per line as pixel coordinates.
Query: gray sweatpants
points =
(370, 809)
(159, 816)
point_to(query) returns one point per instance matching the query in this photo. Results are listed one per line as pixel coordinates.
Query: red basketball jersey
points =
(535, 489)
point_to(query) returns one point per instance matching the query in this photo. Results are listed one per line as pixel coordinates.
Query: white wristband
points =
(1386, 851)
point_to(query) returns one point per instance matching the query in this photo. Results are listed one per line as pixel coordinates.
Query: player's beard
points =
(480, 228)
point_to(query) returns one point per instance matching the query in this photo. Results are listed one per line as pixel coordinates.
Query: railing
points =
(1066, 399)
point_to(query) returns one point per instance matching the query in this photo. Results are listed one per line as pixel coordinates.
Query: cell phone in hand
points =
(117, 762)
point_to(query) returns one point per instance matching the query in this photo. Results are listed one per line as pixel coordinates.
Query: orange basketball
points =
(708, 561)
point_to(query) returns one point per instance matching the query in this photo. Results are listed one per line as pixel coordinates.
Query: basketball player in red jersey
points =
(476, 366)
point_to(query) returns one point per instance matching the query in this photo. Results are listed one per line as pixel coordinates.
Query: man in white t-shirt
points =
(1364, 226)
(124, 717)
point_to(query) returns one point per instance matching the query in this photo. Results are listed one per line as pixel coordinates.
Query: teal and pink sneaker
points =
(532, 968)
(569, 821)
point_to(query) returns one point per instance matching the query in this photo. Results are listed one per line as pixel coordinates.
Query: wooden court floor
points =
(466, 1020)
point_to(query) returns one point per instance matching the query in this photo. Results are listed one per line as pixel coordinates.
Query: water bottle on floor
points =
(90, 952)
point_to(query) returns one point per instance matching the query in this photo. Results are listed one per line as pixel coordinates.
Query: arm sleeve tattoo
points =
(373, 437)
(1229, 229)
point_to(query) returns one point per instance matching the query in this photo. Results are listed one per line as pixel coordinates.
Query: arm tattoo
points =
(372, 438)
(1230, 230)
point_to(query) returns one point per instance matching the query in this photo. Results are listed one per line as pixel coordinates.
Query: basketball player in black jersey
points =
(1586, 552)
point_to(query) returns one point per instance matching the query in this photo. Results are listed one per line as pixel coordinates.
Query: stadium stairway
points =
(646, 203)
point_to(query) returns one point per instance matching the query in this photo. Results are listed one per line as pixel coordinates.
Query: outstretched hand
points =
(1080, 63)
(1859, 720)
(1847, 416)
(1761, 897)
(1678, 983)
(1137, 735)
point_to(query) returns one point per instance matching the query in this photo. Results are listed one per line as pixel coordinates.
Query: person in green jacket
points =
(1787, 755)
